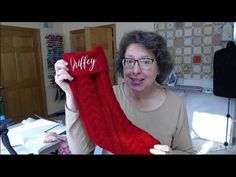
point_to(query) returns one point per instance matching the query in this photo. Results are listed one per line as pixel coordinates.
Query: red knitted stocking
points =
(101, 115)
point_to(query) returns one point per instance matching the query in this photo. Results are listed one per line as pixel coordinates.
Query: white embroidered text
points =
(82, 63)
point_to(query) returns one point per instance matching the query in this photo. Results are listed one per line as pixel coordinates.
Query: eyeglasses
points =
(144, 63)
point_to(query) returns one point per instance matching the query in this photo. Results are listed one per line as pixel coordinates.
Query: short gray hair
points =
(154, 43)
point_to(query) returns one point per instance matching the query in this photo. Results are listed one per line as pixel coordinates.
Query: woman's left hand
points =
(160, 149)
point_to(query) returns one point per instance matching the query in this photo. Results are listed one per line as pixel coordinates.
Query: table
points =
(28, 138)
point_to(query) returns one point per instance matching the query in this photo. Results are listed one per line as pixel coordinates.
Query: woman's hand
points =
(160, 149)
(62, 76)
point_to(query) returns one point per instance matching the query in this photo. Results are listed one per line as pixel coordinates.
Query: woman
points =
(144, 63)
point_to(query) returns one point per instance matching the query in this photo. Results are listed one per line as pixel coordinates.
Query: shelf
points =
(184, 88)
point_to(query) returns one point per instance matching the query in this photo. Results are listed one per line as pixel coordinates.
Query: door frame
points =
(114, 47)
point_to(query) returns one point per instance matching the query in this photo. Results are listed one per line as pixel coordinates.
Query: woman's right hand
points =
(62, 76)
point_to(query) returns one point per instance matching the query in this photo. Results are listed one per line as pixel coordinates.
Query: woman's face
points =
(140, 77)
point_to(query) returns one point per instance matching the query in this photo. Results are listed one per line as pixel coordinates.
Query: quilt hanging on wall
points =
(54, 52)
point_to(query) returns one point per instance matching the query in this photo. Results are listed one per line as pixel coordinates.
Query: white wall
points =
(124, 27)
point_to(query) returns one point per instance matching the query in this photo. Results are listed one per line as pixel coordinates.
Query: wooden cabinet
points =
(89, 37)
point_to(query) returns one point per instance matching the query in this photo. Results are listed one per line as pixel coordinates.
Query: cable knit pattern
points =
(100, 112)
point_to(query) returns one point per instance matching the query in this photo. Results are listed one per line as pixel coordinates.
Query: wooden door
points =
(90, 37)
(77, 39)
(22, 73)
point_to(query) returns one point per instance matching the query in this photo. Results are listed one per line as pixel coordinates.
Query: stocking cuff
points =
(84, 63)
